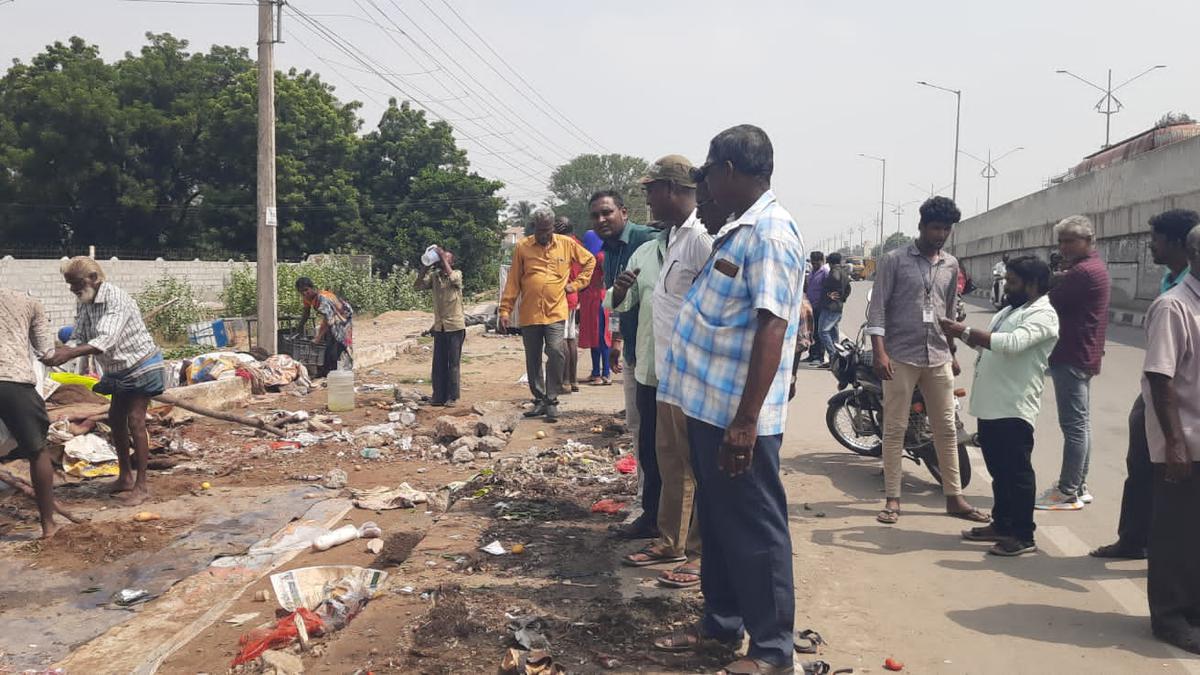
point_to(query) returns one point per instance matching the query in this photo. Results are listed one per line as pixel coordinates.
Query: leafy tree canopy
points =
(573, 182)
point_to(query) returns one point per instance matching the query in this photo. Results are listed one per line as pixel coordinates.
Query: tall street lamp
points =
(882, 193)
(1111, 104)
(957, 119)
(989, 169)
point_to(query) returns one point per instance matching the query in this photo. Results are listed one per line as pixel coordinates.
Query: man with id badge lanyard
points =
(914, 286)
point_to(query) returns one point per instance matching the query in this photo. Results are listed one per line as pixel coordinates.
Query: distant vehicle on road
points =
(858, 267)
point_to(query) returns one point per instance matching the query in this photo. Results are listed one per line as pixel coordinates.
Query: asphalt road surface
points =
(918, 593)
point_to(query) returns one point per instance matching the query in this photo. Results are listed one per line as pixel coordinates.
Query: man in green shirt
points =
(1007, 396)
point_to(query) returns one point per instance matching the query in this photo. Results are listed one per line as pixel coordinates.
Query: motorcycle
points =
(855, 414)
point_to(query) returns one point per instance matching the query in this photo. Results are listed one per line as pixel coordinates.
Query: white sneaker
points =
(1053, 499)
(1085, 495)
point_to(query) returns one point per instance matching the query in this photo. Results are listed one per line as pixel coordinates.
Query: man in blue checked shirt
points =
(727, 369)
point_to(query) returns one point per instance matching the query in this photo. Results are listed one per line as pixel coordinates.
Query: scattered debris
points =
(892, 664)
(608, 506)
(369, 453)
(627, 464)
(538, 662)
(262, 596)
(494, 548)
(130, 596)
(462, 456)
(335, 479)
(337, 537)
(370, 530)
(145, 516)
(375, 546)
(384, 498)
(283, 663)
(239, 619)
(529, 632)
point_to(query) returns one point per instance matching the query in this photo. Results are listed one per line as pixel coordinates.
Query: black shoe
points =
(1012, 547)
(642, 528)
(538, 410)
(1119, 551)
(450, 403)
(985, 533)
(552, 412)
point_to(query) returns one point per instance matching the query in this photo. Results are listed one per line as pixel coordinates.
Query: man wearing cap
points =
(681, 250)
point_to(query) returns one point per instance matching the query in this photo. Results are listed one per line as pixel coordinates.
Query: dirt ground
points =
(446, 606)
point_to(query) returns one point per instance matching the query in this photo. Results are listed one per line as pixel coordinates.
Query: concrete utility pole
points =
(268, 219)
(1111, 104)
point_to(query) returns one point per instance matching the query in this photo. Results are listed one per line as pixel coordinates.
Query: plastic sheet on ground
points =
(384, 498)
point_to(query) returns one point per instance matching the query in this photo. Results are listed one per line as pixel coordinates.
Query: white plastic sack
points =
(91, 449)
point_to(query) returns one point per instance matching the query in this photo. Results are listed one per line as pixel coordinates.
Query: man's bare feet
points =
(135, 496)
(119, 485)
(49, 530)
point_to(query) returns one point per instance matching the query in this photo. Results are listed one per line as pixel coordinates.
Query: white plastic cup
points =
(430, 256)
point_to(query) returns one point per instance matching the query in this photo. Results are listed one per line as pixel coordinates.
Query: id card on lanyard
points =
(927, 314)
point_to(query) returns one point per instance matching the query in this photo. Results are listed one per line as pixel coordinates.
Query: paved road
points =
(917, 592)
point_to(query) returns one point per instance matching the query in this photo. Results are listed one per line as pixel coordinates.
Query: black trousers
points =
(333, 354)
(447, 365)
(1007, 447)
(747, 581)
(1173, 575)
(647, 405)
(1133, 532)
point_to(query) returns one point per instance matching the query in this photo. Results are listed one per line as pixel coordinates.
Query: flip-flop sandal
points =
(815, 667)
(652, 557)
(888, 516)
(749, 666)
(974, 516)
(807, 641)
(690, 570)
(1118, 552)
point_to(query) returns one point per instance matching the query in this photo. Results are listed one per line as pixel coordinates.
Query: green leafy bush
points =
(367, 292)
(171, 323)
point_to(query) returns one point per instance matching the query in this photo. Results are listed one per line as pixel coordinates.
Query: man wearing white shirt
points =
(684, 247)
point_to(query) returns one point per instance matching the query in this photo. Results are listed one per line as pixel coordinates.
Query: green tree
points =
(521, 212)
(577, 180)
(894, 241)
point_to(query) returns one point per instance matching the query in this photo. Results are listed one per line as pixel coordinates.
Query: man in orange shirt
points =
(540, 274)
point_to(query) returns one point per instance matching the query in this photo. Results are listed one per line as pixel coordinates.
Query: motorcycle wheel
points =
(839, 417)
(928, 457)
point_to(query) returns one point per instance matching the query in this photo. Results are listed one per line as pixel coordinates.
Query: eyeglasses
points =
(702, 173)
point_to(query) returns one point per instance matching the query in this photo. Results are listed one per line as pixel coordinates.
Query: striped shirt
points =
(22, 326)
(113, 324)
(756, 265)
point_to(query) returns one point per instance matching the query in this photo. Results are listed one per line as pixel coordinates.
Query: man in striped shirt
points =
(109, 326)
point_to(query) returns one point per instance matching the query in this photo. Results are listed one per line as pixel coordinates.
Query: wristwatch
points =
(966, 336)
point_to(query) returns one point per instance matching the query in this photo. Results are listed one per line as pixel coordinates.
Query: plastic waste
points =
(369, 530)
(339, 536)
(340, 390)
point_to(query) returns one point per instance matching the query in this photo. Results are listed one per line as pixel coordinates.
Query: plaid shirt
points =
(757, 264)
(113, 324)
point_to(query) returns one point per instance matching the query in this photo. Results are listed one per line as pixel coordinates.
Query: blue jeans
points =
(747, 580)
(827, 329)
(1072, 391)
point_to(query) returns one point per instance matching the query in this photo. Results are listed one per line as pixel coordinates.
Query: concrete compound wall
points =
(1119, 200)
(41, 278)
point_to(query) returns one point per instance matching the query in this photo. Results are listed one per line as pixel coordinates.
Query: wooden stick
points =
(27, 489)
(218, 415)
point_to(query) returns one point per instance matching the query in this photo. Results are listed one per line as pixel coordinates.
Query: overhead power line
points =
(582, 135)
(520, 120)
(333, 38)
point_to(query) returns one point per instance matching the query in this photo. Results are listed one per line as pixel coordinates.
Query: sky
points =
(827, 81)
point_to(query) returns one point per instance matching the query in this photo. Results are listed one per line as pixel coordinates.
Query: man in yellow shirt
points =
(540, 275)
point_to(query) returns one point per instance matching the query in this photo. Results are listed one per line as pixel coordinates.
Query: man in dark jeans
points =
(449, 326)
(835, 291)
(1006, 398)
(1168, 245)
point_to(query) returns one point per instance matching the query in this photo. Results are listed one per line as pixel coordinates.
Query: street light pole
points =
(1111, 104)
(957, 126)
(989, 170)
(882, 192)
